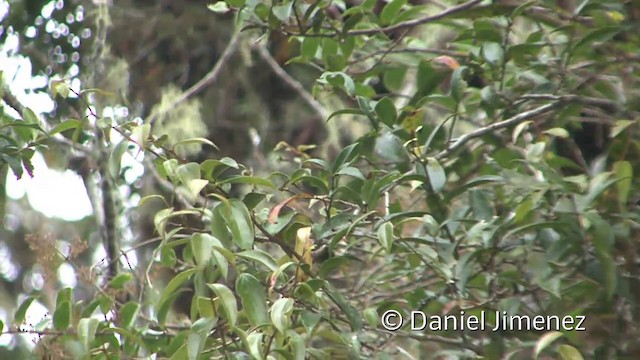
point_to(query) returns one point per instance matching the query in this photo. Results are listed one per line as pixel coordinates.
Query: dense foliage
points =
(479, 159)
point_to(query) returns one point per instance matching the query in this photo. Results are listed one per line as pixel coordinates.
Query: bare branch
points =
(451, 53)
(212, 76)
(293, 83)
(399, 26)
(587, 100)
(416, 22)
(462, 140)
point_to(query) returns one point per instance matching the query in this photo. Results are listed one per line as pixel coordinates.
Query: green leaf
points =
(140, 135)
(169, 168)
(340, 80)
(410, 13)
(351, 171)
(161, 217)
(65, 125)
(187, 172)
(458, 84)
(87, 332)
(349, 23)
(202, 245)
(106, 303)
(254, 344)
(168, 256)
(283, 12)
(333, 263)
(480, 205)
(463, 269)
(354, 316)
(236, 3)
(238, 219)
(205, 307)
(534, 227)
(197, 141)
(297, 345)
(365, 107)
(219, 7)
(115, 160)
(535, 151)
(20, 314)
(557, 132)
(520, 9)
(345, 111)
(176, 344)
(486, 30)
(260, 256)
(196, 340)
(194, 346)
(345, 157)
(128, 314)
(523, 209)
(597, 186)
(568, 352)
(385, 236)
(251, 180)
(600, 34)
(65, 294)
(208, 166)
(437, 176)
(253, 199)
(280, 314)
(393, 79)
(26, 131)
(386, 111)
(433, 134)
(189, 175)
(227, 301)
(59, 87)
(276, 274)
(426, 80)
(624, 173)
(603, 241)
(310, 320)
(120, 281)
(254, 299)
(222, 257)
(371, 316)
(169, 292)
(30, 116)
(309, 47)
(62, 315)
(493, 53)
(182, 353)
(391, 11)
(620, 126)
(546, 340)
(219, 228)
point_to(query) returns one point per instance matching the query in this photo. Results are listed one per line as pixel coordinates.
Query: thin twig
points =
(427, 338)
(385, 53)
(451, 53)
(211, 77)
(293, 83)
(399, 26)
(459, 143)
(587, 100)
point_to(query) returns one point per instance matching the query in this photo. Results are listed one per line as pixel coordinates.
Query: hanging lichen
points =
(181, 119)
